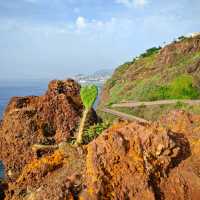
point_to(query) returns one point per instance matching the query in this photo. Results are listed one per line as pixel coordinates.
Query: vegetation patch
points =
(94, 131)
(182, 88)
(150, 52)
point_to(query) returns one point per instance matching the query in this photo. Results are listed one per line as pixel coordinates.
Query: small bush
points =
(94, 131)
(179, 105)
(181, 38)
(150, 52)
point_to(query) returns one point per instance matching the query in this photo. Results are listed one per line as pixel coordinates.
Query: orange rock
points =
(48, 119)
(157, 161)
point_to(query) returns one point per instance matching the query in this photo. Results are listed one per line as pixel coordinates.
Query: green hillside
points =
(171, 72)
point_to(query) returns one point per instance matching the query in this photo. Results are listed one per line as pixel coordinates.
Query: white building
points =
(194, 34)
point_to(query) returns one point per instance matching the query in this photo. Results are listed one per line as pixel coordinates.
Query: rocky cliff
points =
(171, 72)
(42, 120)
(156, 161)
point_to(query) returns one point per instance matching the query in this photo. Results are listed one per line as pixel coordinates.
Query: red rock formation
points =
(168, 54)
(158, 161)
(184, 180)
(53, 177)
(129, 161)
(48, 119)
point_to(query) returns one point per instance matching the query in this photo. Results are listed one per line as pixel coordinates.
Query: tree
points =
(88, 94)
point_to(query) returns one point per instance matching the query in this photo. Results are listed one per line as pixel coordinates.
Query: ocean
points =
(20, 88)
(1, 170)
(23, 88)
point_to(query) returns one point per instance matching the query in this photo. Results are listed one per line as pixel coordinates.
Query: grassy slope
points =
(169, 73)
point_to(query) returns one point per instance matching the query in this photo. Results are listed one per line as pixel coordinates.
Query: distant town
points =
(98, 77)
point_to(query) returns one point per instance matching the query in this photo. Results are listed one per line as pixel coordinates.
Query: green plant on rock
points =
(94, 131)
(88, 96)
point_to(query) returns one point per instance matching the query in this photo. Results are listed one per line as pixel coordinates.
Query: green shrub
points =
(181, 38)
(150, 52)
(94, 131)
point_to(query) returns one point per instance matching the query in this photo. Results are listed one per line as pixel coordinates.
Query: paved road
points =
(123, 115)
(130, 104)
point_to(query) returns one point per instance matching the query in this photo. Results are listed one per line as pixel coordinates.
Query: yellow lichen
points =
(49, 162)
(117, 126)
(91, 172)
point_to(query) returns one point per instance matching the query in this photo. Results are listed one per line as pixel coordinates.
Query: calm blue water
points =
(1, 170)
(22, 88)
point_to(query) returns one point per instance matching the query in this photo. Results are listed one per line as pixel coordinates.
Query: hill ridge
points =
(171, 72)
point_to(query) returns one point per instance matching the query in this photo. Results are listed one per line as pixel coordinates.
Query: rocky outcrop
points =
(138, 161)
(184, 180)
(130, 160)
(47, 120)
(53, 177)
(168, 55)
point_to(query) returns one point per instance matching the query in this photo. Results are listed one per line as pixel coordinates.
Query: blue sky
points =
(58, 38)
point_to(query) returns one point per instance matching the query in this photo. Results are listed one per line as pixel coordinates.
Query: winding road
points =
(124, 115)
(132, 104)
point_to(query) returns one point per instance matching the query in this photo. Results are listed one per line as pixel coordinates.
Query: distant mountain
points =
(103, 72)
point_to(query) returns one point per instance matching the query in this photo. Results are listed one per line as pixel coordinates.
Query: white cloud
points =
(81, 23)
(85, 25)
(132, 3)
(140, 3)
